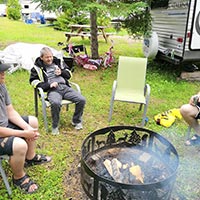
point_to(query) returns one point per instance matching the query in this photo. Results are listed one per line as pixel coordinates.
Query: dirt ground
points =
(187, 182)
(74, 190)
(186, 186)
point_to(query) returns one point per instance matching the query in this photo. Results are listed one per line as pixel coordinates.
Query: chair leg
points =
(44, 112)
(67, 107)
(112, 100)
(144, 115)
(36, 101)
(5, 178)
(147, 95)
(140, 108)
(111, 109)
(188, 133)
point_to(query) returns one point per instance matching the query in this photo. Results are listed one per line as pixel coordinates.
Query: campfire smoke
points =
(142, 166)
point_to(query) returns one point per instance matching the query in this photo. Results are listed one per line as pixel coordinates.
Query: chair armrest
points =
(72, 84)
(147, 91)
(114, 86)
(41, 93)
(75, 86)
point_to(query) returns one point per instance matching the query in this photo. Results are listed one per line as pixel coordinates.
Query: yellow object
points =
(167, 118)
(164, 119)
(175, 112)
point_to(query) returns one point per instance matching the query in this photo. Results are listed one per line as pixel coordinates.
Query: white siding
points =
(172, 24)
(28, 6)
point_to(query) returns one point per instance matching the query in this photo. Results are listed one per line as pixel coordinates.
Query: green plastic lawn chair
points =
(130, 85)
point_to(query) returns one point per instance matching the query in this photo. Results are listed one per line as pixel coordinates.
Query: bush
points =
(138, 21)
(13, 10)
(70, 17)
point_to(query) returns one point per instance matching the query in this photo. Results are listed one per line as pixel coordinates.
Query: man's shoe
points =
(78, 126)
(55, 131)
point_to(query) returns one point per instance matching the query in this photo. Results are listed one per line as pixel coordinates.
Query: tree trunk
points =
(94, 36)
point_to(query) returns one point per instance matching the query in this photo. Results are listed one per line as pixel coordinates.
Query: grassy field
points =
(167, 92)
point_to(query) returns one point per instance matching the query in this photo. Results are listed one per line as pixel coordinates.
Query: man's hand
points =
(31, 134)
(58, 71)
(54, 85)
(194, 100)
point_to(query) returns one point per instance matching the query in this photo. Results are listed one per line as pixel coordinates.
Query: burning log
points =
(107, 164)
(145, 157)
(137, 172)
(114, 166)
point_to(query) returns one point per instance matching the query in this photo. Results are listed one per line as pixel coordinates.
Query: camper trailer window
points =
(159, 4)
(178, 3)
(169, 4)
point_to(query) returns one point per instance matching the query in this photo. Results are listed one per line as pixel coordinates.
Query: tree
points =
(3, 1)
(138, 20)
(13, 10)
(115, 7)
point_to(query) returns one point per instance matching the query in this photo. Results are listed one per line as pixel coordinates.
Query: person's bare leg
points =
(17, 160)
(33, 121)
(189, 112)
(31, 144)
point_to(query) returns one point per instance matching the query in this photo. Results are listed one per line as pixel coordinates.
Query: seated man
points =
(17, 138)
(191, 114)
(52, 76)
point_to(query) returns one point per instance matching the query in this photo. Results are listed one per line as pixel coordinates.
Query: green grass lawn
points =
(167, 92)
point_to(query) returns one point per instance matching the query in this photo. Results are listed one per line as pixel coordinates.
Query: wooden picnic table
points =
(84, 31)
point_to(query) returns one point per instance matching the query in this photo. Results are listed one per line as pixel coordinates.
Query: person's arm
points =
(28, 132)
(35, 81)
(195, 99)
(16, 119)
(66, 73)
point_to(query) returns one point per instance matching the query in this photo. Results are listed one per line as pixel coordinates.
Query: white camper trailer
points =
(34, 11)
(28, 7)
(176, 32)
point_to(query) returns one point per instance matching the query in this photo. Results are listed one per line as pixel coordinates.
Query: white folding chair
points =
(3, 174)
(39, 94)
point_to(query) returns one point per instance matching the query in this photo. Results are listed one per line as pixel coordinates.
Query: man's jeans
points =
(55, 97)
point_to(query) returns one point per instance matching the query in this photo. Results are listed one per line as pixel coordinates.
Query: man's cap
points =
(4, 67)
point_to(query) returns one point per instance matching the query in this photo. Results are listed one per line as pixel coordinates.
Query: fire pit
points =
(125, 163)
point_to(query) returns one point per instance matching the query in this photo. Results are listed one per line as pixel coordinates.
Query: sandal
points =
(25, 184)
(195, 140)
(37, 160)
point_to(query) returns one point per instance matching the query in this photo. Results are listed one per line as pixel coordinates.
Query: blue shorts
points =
(6, 143)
